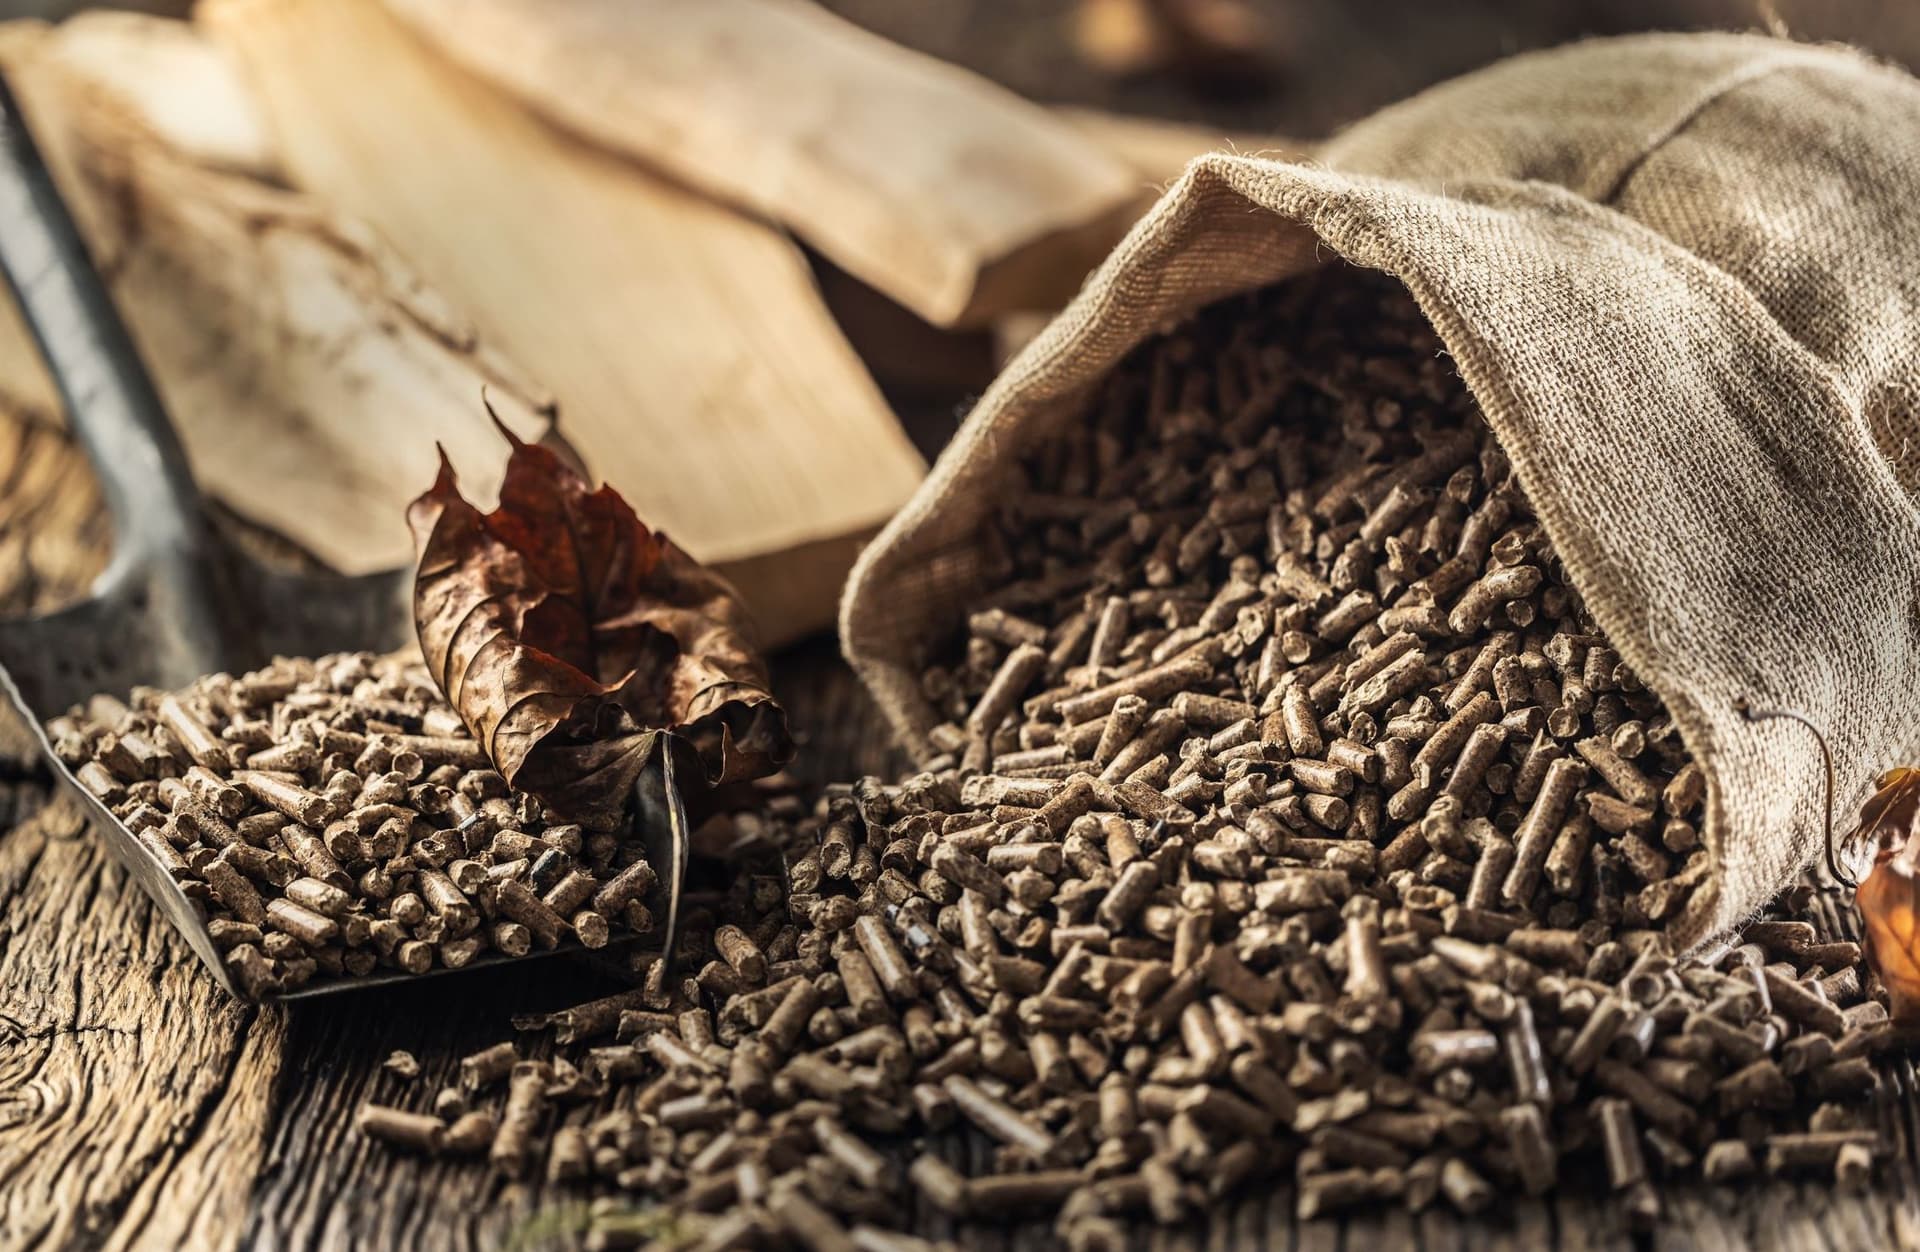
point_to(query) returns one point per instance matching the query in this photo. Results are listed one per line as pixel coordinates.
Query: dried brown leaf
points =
(569, 637)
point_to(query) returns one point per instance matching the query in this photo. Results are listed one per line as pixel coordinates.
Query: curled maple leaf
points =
(570, 637)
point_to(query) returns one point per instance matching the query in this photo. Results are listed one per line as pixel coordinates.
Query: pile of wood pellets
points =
(1290, 818)
(333, 818)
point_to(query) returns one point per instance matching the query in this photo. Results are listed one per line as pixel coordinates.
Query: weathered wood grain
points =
(132, 1093)
(54, 532)
(322, 1185)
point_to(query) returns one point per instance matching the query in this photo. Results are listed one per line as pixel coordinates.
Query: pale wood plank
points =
(695, 365)
(1157, 150)
(289, 346)
(952, 195)
(183, 87)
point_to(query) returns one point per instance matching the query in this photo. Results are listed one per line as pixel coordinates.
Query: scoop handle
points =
(160, 528)
(666, 836)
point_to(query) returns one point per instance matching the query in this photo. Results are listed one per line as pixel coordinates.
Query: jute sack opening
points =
(1681, 274)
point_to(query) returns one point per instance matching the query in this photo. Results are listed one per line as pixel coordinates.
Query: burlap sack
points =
(1681, 274)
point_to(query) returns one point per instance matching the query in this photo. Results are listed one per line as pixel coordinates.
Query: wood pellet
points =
(1287, 817)
(333, 818)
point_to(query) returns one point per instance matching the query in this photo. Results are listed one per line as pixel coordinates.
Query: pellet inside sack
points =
(332, 817)
(1289, 816)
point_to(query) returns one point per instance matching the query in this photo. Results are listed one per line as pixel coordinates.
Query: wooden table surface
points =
(139, 1107)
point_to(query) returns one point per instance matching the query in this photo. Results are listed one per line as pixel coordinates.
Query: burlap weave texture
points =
(1681, 274)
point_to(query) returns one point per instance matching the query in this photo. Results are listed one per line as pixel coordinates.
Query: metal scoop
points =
(177, 601)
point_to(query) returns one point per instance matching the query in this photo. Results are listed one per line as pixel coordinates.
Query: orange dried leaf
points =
(1888, 815)
(569, 637)
(1889, 903)
(1889, 898)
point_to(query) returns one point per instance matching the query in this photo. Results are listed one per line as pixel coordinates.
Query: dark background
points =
(1337, 60)
(1340, 59)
